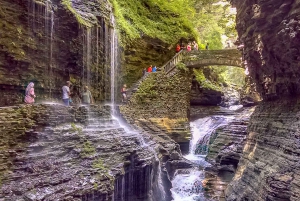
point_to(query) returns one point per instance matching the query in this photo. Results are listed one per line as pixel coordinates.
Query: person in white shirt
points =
(66, 93)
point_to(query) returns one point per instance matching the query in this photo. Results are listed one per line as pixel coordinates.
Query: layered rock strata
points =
(269, 166)
(53, 152)
(164, 102)
(227, 142)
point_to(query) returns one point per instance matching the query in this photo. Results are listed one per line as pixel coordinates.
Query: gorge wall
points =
(50, 42)
(269, 166)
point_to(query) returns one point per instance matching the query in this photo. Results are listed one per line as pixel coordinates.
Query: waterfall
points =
(187, 184)
(114, 63)
(86, 56)
(201, 131)
(41, 21)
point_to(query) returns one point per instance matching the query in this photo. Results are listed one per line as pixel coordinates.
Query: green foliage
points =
(214, 77)
(68, 5)
(74, 128)
(204, 81)
(182, 67)
(99, 164)
(166, 20)
(87, 149)
(214, 21)
(234, 76)
(146, 91)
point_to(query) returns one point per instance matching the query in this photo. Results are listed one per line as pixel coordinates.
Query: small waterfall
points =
(201, 131)
(114, 62)
(187, 184)
(42, 20)
(87, 45)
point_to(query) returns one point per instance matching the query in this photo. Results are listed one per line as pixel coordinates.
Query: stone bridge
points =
(197, 59)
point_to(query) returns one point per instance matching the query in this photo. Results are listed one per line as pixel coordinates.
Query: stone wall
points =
(50, 42)
(162, 102)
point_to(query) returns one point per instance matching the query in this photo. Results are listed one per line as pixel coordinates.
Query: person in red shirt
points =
(149, 69)
(178, 48)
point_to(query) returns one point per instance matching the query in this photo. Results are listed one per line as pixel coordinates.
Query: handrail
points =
(172, 62)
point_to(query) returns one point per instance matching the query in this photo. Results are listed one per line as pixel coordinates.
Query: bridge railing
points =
(171, 64)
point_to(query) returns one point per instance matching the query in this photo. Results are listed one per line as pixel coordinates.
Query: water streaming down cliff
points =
(41, 22)
(187, 184)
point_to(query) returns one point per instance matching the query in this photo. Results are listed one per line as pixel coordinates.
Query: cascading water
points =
(41, 20)
(187, 184)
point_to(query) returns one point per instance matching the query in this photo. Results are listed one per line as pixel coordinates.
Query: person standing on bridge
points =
(206, 47)
(189, 47)
(195, 46)
(178, 48)
(154, 69)
(149, 69)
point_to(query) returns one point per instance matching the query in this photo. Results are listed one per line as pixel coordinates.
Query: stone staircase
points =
(167, 68)
(135, 86)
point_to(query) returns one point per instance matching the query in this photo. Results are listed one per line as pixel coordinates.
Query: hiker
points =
(66, 93)
(87, 96)
(144, 72)
(149, 69)
(206, 47)
(178, 48)
(182, 46)
(29, 94)
(189, 47)
(123, 91)
(154, 69)
(195, 46)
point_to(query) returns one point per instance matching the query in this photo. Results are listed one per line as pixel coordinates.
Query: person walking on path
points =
(206, 47)
(123, 91)
(144, 72)
(149, 69)
(154, 69)
(66, 93)
(29, 94)
(87, 98)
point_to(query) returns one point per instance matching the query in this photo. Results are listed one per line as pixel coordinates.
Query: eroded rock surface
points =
(269, 166)
(53, 152)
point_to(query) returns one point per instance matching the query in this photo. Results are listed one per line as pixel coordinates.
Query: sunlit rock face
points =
(269, 167)
(50, 42)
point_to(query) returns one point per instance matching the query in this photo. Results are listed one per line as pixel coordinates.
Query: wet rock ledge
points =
(53, 152)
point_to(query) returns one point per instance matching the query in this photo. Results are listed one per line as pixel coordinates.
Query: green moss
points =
(87, 149)
(182, 67)
(74, 128)
(99, 164)
(165, 20)
(68, 5)
(147, 90)
(205, 82)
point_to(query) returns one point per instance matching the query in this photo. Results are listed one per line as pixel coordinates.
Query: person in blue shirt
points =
(154, 69)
